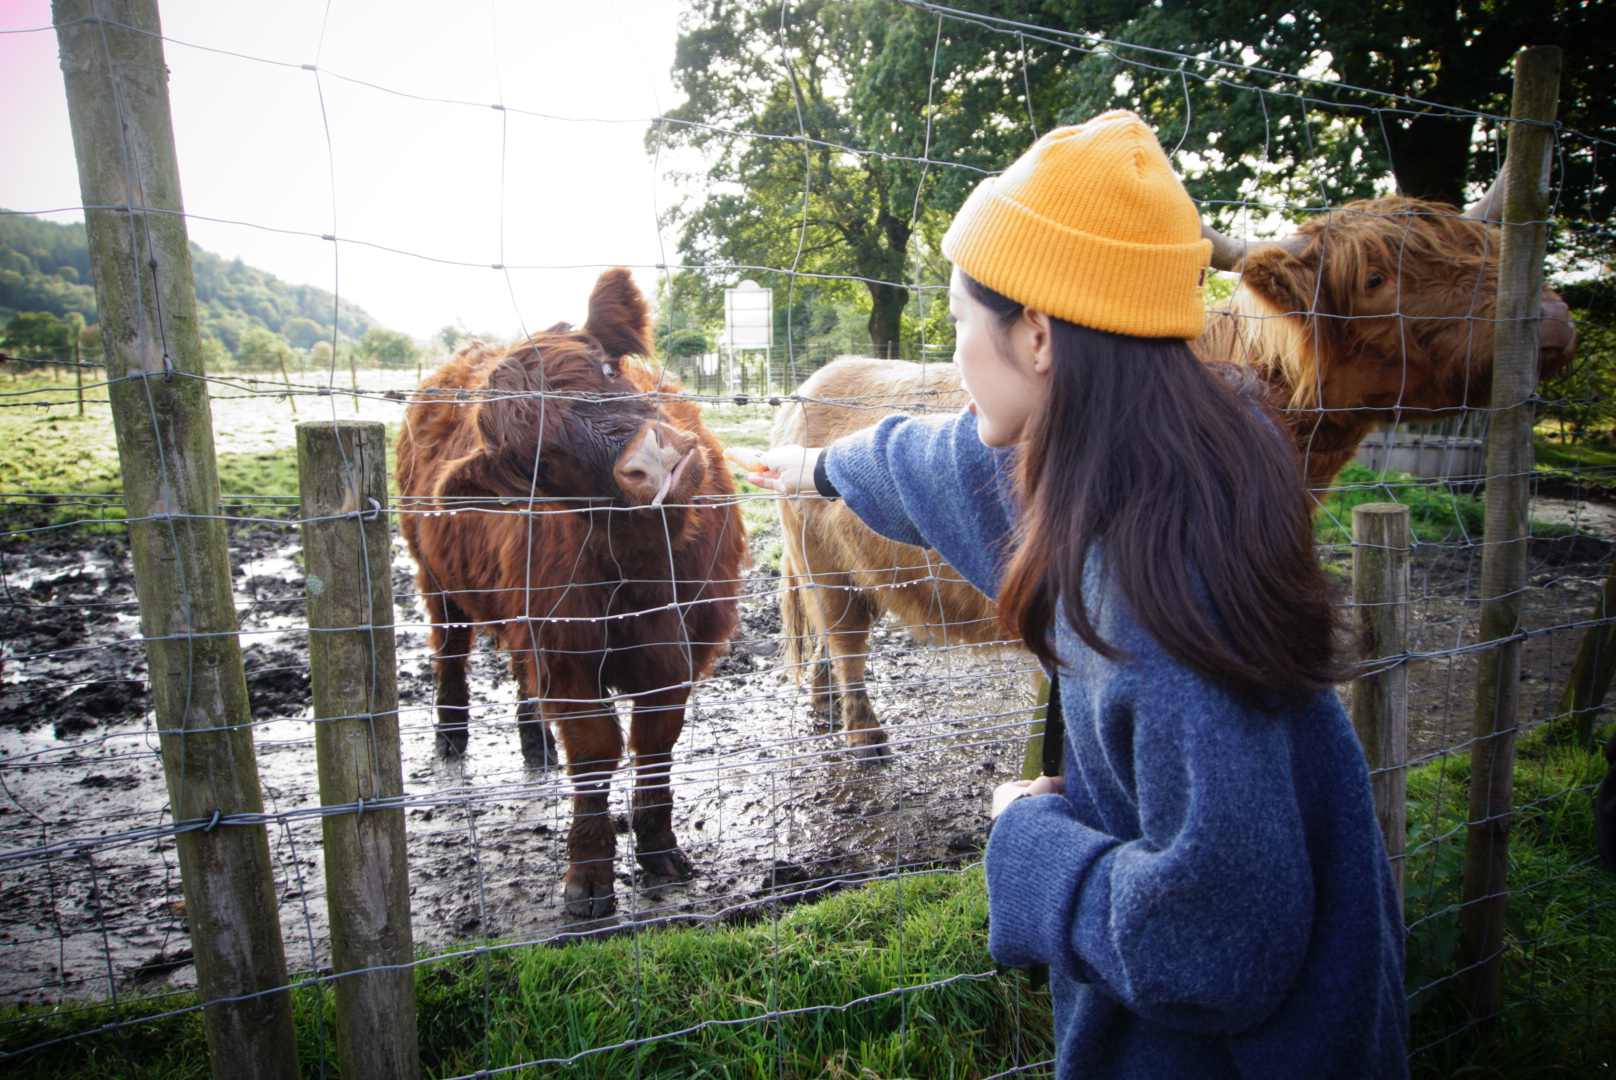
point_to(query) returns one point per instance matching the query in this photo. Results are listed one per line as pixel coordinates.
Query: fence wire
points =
(769, 802)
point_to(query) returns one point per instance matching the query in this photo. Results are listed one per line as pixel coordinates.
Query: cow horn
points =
(1228, 253)
(1490, 207)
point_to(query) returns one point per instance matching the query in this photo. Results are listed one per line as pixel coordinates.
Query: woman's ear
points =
(1039, 339)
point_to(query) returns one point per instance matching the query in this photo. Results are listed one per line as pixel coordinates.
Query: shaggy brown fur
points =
(529, 481)
(838, 577)
(1385, 315)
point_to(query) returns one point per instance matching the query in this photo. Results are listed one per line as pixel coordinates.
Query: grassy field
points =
(1560, 971)
(1589, 464)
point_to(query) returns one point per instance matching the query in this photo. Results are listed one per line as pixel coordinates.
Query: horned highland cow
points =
(558, 496)
(1374, 312)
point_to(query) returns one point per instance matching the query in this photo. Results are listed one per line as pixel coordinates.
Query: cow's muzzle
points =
(653, 463)
(1556, 338)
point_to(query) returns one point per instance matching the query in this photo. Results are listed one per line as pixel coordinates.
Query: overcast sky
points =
(457, 182)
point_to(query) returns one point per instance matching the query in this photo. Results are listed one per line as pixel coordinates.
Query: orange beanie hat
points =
(1092, 226)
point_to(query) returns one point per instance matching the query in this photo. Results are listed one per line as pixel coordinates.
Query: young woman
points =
(1207, 881)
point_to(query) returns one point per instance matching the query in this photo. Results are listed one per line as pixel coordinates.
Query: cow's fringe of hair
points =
(1277, 345)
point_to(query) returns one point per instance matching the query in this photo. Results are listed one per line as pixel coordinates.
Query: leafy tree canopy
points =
(1380, 93)
(389, 348)
(38, 335)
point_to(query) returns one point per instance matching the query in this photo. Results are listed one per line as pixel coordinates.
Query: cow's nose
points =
(649, 461)
(1556, 337)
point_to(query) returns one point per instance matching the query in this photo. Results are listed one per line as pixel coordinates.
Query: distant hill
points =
(45, 266)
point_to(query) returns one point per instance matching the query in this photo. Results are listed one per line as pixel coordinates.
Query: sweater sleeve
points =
(1201, 922)
(928, 481)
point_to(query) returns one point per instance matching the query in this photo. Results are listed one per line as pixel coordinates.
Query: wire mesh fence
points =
(774, 801)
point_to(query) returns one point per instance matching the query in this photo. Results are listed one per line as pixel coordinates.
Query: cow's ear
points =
(619, 317)
(1286, 282)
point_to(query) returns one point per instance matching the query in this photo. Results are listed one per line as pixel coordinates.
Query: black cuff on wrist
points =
(822, 482)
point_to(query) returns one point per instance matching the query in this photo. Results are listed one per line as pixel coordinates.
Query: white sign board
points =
(748, 317)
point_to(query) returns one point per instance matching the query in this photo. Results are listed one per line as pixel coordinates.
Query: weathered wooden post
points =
(76, 322)
(1503, 565)
(1380, 556)
(117, 98)
(348, 557)
(1594, 667)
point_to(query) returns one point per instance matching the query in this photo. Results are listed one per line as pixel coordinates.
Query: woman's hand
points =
(1005, 794)
(786, 469)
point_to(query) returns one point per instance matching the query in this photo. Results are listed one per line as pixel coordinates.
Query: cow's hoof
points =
(668, 862)
(872, 752)
(451, 742)
(589, 899)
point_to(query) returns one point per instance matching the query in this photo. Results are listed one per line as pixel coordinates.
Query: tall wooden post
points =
(1594, 667)
(117, 97)
(1503, 566)
(1380, 556)
(347, 551)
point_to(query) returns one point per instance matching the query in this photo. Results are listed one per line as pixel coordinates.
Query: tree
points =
(38, 335)
(1391, 94)
(302, 333)
(781, 70)
(1209, 76)
(388, 348)
(262, 349)
(450, 336)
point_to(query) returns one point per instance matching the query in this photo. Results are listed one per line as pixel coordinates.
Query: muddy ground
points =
(766, 801)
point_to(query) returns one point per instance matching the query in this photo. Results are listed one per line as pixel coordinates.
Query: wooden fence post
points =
(1380, 553)
(117, 97)
(348, 557)
(1503, 565)
(1594, 667)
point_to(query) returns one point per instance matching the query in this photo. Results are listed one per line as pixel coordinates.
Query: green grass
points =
(740, 425)
(58, 467)
(1436, 513)
(749, 426)
(557, 1002)
(1560, 968)
(1590, 463)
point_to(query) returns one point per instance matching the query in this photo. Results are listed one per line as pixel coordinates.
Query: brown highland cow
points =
(557, 499)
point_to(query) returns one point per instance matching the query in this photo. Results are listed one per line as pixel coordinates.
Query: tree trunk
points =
(886, 316)
(1429, 157)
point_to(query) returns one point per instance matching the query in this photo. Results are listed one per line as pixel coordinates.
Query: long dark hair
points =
(1200, 503)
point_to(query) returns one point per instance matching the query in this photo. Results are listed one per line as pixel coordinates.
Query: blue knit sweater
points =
(1211, 894)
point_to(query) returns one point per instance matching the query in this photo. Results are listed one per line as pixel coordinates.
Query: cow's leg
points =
(849, 643)
(594, 745)
(450, 639)
(800, 613)
(538, 745)
(821, 689)
(658, 719)
(847, 615)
